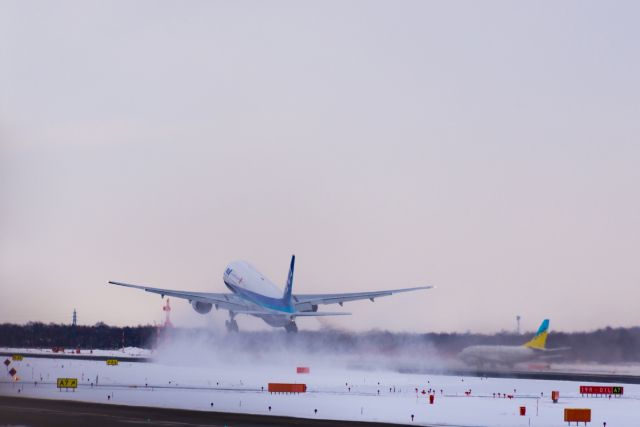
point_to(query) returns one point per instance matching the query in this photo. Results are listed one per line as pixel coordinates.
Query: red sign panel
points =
(7, 362)
(601, 389)
(577, 415)
(12, 372)
(287, 388)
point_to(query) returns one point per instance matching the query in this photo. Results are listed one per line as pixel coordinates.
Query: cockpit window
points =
(227, 272)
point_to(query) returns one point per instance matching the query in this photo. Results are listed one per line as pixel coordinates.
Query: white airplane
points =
(509, 355)
(254, 295)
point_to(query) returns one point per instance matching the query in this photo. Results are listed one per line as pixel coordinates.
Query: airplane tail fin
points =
(287, 289)
(539, 341)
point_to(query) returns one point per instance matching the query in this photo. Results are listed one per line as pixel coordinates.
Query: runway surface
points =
(71, 356)
(65, 413)
(536, 375)
(472, 372)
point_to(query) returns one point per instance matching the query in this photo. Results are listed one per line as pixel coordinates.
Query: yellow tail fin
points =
(539, 341)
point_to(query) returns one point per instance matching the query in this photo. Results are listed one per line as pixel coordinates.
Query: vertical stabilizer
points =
(539, 341)
(287, 289)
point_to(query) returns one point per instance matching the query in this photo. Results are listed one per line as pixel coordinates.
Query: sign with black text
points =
(67, 383)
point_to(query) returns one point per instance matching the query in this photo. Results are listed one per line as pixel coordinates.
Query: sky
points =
(488, 148)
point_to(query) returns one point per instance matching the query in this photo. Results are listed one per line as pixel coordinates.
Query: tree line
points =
(607, 345)
(98, 336)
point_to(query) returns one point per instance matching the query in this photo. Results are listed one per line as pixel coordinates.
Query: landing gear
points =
(291, 327)
(231, 324)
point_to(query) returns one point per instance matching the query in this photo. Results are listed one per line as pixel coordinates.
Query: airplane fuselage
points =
(248, 283)
(506, 355)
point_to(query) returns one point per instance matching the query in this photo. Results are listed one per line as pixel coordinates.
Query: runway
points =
(72, 356)
(66, 413)
(472, 372)
(534, 375)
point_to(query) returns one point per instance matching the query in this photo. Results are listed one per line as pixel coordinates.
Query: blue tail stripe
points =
(262, 300)
(289, 286)
(543, 327)
(283, 304)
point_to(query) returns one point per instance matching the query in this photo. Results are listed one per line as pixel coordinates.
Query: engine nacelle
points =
(201, 307)
(307, 307)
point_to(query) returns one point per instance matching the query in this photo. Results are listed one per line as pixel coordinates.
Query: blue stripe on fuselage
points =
(267, 302)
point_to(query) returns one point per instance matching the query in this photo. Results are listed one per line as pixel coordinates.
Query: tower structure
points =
(73, 333)
(167, 315)
(164, 328)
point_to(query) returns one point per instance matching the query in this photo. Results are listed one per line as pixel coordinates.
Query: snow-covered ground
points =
(593, 368)
(336, 392)
(127, 351)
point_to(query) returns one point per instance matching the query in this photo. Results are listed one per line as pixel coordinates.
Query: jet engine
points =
(307, 307)
(201, 307)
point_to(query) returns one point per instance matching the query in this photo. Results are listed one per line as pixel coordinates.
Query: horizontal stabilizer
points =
(267, 312)
(320, 313)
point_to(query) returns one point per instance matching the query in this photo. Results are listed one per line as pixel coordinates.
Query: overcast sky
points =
(489, 148)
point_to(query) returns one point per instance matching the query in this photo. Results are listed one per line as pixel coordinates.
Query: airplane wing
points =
(556, 349)
(553, 354)
(304, 301)
(226, 301)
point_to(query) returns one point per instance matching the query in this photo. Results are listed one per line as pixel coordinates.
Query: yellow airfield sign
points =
(67, 383)
(112, 362)
(16, 357)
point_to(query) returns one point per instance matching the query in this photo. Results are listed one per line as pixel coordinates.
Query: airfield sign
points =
(605, 390)
(67, 383)
(112, 362)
